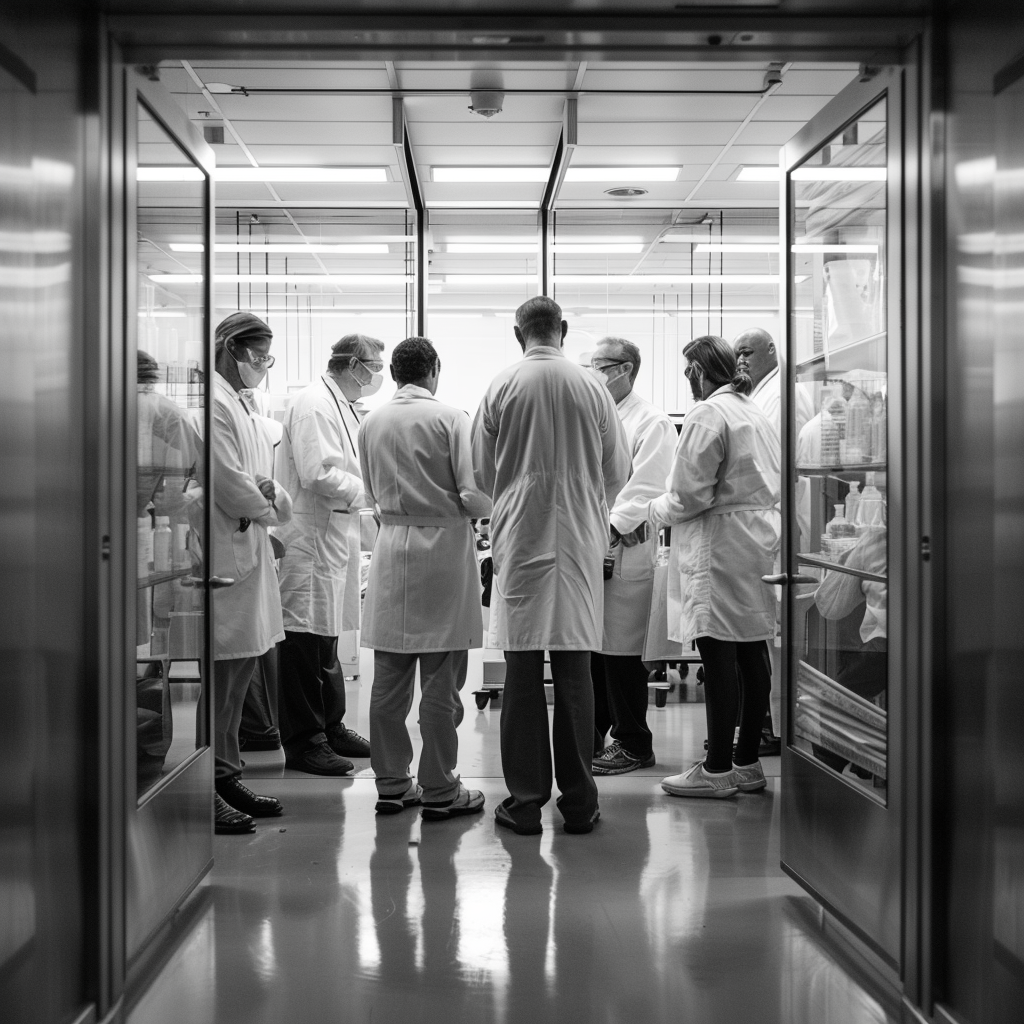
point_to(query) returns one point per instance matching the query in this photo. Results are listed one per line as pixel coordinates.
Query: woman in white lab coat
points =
(722, 502)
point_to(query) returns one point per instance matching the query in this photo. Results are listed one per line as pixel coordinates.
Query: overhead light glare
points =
(856, 248)
(622, 174)
(483, 175)
(350, 279)
(727, 248)
(756, 172)
(645, 280)
(287, 248)
(317, 175)
(596, 248)
(493, 247)
(475, 279)
(483, 204)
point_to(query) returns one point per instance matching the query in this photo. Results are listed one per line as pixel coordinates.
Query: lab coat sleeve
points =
(280, 512)
(364, 466)
(615, 451)
(652, 463)
(804, 407)
(484, 444)
(475, 503)
(691, 486)
(237, 494)
(318, 448)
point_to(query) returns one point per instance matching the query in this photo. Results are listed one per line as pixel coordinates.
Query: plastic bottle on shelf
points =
(853, 499)
(829, 440)
(162, 539)
(145, 546)
(878, 432)
(872, 504)
(180, 557)
(858, 427)
(841, 533)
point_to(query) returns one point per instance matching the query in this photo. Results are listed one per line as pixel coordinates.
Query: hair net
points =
(241, 328)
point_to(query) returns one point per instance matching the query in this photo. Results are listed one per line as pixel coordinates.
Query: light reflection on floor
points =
(670, 911)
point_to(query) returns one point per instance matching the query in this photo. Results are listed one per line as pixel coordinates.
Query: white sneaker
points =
(697, 782)
(750, 778)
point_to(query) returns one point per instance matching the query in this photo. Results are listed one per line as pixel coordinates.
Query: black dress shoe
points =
(229, 822)
(319, 760)
(243, 799)
(348, 743)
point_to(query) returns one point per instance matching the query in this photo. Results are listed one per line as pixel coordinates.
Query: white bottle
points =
(162, 539)
(853, 499)
(145, 546)
(872, 506)
(858, 427)
(180, 556)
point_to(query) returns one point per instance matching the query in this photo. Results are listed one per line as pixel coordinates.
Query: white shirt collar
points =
(414, 391)
(764, 380)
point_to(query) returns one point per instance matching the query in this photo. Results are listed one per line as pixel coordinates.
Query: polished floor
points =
(670, 910)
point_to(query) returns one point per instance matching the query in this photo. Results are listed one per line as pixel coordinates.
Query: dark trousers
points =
(259, 712)
(620, 702)
(737, 683)
(526, 747)
(311, 700)
(230, 682)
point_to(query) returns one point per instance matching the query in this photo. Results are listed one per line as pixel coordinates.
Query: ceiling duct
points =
(486, 104)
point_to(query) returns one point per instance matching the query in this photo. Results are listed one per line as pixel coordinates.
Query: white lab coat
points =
(423, 593)
(722, 503)
(767, 396)
(246, 616)
(651, 442)
(549, 449)
(318, 463)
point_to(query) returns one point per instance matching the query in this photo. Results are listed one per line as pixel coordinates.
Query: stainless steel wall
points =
(979, 779)
(44, 714)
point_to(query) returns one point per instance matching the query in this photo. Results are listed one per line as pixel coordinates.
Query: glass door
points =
(842, 216)
(168, 192)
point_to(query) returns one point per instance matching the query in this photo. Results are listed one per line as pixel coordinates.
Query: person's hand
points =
(267, 489)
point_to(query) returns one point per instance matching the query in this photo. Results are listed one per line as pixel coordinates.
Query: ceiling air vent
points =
(626, 192)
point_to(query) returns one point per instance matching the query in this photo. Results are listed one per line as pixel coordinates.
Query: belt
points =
(721, 510)
(392, 519)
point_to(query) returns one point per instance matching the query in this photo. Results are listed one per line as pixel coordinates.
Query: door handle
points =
(784, 579)
(216, 582)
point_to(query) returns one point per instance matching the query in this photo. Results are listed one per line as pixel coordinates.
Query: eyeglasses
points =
(375, 367)
(690, 367)
(259, 362)
(609, 365)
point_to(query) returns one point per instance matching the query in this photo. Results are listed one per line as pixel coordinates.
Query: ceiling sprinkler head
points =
(486, 104)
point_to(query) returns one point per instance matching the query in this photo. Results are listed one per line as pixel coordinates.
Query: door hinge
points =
(926, 549)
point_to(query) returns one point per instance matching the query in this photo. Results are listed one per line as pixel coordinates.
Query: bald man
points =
(756, 353)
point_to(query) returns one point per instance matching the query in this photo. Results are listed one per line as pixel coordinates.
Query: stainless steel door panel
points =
(170, 848)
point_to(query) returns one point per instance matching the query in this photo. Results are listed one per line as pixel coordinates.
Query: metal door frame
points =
(171, 825)
(809, 785)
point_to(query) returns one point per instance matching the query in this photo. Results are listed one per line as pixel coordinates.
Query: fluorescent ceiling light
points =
(341, 175)
(286, 248)
(488, 239)
(755, 172)
(735, 247)
(705, 238)
(169, 174)
(800, 247)
(492, 247)
(285, 278)
(644, 280)
(583, 248)
(470, 175)
(627, 174)
(839, 174)
(490, 279)
(483, 204)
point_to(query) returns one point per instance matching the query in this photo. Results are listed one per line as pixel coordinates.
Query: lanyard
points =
(348, 433)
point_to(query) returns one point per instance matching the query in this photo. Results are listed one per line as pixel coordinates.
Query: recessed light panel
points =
(487, 175)
(622, 174)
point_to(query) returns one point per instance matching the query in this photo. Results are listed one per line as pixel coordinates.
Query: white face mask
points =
(373, 385)
(251, 377)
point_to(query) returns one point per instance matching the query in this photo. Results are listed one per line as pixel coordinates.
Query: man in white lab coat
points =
(423, 594)
(247, 614)
(549, 449)
(620, 678)
(757, 355)
(319, 464)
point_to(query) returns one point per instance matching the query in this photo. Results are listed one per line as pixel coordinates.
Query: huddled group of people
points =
(577, 475)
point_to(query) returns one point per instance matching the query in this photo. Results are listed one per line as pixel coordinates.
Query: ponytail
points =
(719, 363)
(741, 383)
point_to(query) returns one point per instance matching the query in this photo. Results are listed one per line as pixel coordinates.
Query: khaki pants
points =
(442, 676)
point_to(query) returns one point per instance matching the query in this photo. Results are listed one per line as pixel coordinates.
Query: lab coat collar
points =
(725, 389)
(413, 391)
(543, 352)
(244, 396)
(628, 402)
(764, 381)
(332, 385)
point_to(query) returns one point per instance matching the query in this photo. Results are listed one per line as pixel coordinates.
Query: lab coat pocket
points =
(637, 562)
(243, 546)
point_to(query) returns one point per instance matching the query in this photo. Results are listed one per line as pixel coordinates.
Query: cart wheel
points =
(660, 698)
(658, 675)
(482, 699)
(700, 676)
(493, 695)
(684, 670)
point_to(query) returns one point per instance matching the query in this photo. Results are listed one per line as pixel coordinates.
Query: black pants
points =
(259, 713)
(620, 702)
(737, 682)
(526, 747)
(311, 700)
